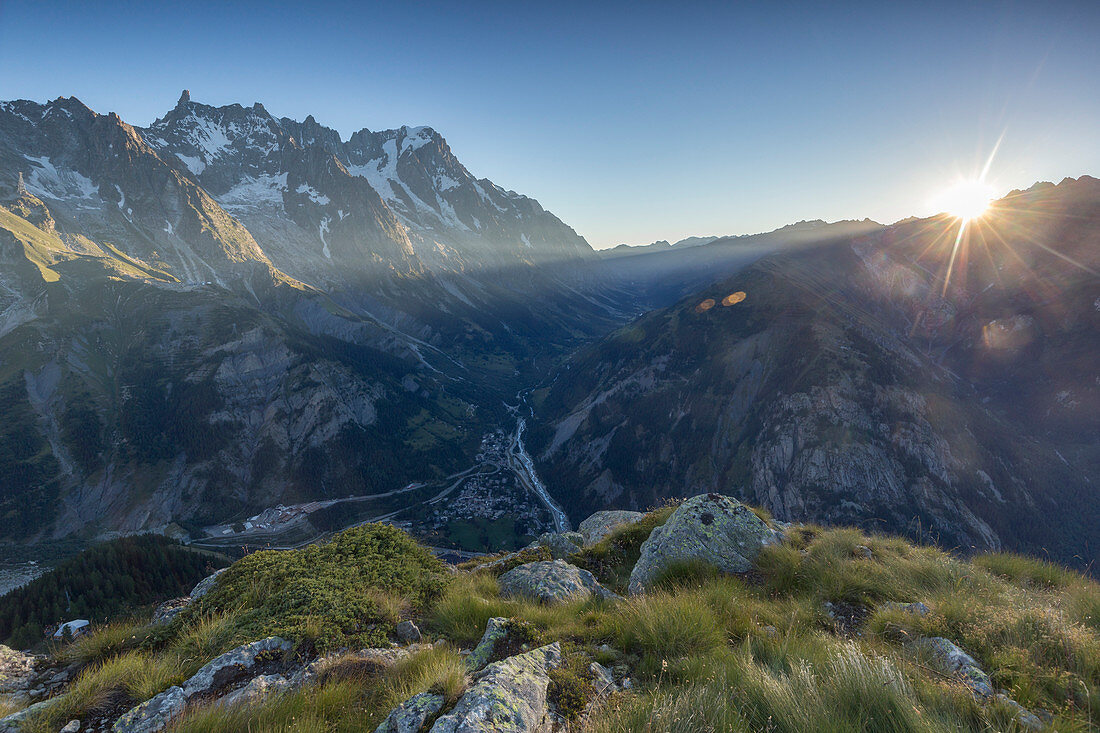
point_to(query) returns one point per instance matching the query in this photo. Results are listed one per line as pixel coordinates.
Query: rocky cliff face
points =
(846, 384)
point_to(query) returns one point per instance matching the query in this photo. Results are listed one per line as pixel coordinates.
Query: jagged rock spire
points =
(20, 188)
(184, 98)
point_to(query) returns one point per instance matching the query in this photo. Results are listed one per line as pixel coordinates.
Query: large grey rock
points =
(551, 581)
(232, 665)
(947, 658)
(495, 632)
(154, 714)
(411, 715)
(602, 524)
(508, 697)
(710, 528)
(205, 585)
(560, 544)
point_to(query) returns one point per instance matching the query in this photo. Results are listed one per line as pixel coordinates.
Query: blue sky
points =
(632, 122)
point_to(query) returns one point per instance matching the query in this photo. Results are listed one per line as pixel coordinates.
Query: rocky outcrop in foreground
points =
(709, 528)
(155, 714)
(509, 696)
(552, 581)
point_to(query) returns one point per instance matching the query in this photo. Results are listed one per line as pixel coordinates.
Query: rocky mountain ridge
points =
(159, 362)
(846, 384)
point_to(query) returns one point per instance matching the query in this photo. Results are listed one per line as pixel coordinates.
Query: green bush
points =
(347, 593)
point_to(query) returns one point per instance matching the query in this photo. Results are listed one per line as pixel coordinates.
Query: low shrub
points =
(349, 592)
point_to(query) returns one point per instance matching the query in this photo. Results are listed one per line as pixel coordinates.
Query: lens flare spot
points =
(706, 305)
(734, 298)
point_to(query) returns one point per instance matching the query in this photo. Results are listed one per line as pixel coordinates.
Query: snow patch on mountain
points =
(194, 164)
(252, 193)
(316, 196)
(321, 230)
(209, 138)
(48, 181)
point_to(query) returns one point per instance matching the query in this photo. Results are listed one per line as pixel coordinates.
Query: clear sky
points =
(634, 121)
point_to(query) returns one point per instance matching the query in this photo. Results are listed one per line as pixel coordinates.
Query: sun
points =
(966, 200)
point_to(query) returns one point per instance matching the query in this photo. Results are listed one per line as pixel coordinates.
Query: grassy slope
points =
(699, 648)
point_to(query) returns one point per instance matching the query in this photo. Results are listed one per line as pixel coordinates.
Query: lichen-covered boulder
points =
(945, 657)
(551, 581)
(710, 528)
(232, 665)
(560, 544)
(154, 714)
(601, 524)
(508, 697)
(495, 632)
(411, 715)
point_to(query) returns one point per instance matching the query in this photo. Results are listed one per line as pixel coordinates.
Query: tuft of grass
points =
(343, 702)
(1028, 572)
(106, 641)
(467, 605)
(336, 706)
(570, 688)
(664, 625)
(109, 688)
(820, 685)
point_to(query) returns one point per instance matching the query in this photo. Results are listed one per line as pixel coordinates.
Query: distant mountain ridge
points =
(844, 383)
(311, 204)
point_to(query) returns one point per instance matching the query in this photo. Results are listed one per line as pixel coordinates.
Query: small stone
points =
(944, 656)
(863, 551)
(73, 726)
(257, 689)
(168, 610)
(771, 631)
(602, 679)
(408, 632)
(205, 585)
(916, 608)
(1026, 719)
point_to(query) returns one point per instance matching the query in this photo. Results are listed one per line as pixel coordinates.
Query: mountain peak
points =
(184, 98)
